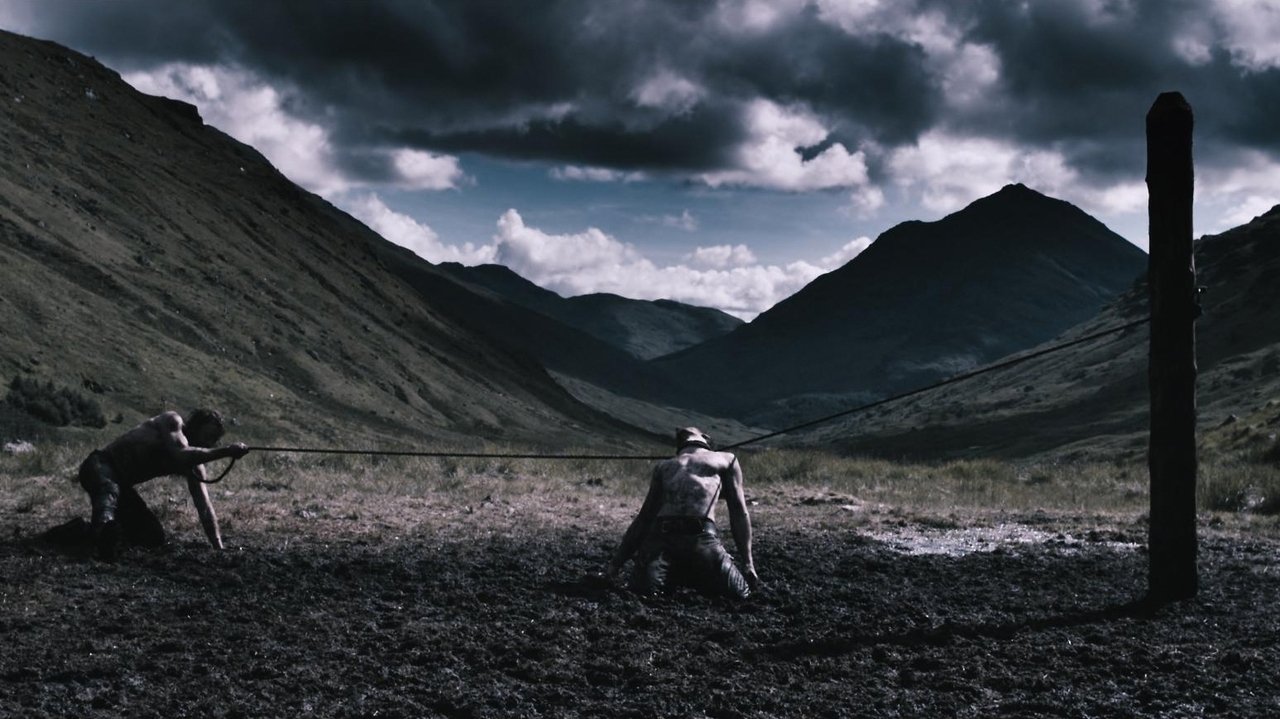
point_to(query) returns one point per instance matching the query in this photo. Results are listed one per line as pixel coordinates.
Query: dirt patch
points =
(480, 610)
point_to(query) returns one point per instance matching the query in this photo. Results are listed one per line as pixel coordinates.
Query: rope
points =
(225, 472)
(743, 443)
(466, 455)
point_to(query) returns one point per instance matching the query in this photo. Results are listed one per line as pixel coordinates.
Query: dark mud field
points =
(488, 615)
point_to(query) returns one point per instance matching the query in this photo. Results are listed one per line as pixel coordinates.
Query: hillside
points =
(153, 262)
(644, 329)
(926, 300)
(1093, 400)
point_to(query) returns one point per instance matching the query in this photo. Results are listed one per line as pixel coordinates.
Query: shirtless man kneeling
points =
(163, 445)
(674, 538)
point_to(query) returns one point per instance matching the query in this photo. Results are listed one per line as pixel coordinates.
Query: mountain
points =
(644, 329)
(566, 351)
(152, 262)
(1092, 400)
(926, 300)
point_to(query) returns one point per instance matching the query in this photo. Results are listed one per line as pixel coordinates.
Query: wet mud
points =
(468, 620)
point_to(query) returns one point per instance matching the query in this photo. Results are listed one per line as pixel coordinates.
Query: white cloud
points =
(572, 173)
(966, 71)
(574, 261)
(685, 221)
(1236, 193)
(408, 232)
(424, 171)
(593, 261)
(865, 201)
(947, 172)
(1246, 209)
(1125, 197)
(968, 74)
(669, 92)
(721, 256)
(951, 171)
(1251, 31)
(252, 111)
(1246, 29)
(20, 18)
(840, 257)
(769, 157)
(754, 16)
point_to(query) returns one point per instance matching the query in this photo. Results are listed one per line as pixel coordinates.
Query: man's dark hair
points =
(202, 417)
(686, 436)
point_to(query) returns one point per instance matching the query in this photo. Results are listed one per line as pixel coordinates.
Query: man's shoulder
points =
(166, 421)
(727, 460)
(702, 455)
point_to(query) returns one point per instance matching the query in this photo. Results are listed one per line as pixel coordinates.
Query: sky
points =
(718, 152)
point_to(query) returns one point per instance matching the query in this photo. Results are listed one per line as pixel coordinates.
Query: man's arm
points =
(186, 456)
(639, 526)
(200, 496)
(740, 521)
(193, 457)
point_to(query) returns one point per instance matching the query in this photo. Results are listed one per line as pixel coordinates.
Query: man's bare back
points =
(156, 448)
(674, 534)
(691, 482)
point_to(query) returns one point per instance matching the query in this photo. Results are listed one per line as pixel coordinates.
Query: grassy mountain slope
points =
(1093, 399)
(924, 301)
(641, 328)
(157, 263)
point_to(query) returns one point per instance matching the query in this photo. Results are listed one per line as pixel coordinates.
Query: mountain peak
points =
(1017, 193)
(1016, 188)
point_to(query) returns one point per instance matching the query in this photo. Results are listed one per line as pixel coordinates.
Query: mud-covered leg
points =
(104, 496)
(649, 576)
(139, 526)
(720, 575)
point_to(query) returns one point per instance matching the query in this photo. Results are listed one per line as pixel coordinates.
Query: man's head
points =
(203, 428)
(692, 436)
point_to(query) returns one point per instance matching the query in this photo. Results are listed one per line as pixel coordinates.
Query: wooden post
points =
(1172, 371)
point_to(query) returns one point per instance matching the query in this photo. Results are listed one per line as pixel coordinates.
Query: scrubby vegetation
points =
(53, 405)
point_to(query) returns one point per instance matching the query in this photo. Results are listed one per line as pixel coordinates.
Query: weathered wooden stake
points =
(1172, 372)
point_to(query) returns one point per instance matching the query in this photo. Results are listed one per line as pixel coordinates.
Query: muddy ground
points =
(480, 611)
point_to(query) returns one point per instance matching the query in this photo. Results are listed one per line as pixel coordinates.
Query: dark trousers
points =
(686, 551)
(118, 511)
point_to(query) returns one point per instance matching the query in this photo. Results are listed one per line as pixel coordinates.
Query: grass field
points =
(1229, 484)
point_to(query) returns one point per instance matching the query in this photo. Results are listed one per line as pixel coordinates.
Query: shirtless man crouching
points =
(163, 445)
(674, 538)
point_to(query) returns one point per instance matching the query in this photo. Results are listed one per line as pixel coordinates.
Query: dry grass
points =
(371, 495)
(967, 484)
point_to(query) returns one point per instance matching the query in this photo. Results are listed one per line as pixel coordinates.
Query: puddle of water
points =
(971, 540)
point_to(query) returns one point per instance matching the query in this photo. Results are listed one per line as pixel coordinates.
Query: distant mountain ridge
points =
(924, 301)
(645, 329)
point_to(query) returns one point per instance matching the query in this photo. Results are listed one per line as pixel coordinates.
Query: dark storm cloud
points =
(1082, 82)
(554, 81)
(877, 84)
(557, 80)
(698, 140)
